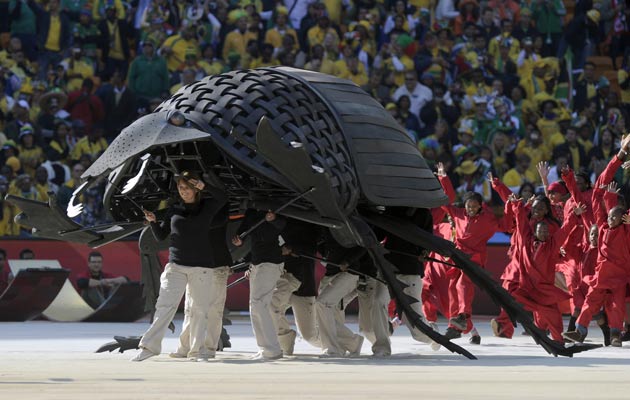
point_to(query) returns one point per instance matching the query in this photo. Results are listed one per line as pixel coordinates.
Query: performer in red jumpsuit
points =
(608, 286)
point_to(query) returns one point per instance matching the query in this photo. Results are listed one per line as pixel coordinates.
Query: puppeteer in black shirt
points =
(190, 227)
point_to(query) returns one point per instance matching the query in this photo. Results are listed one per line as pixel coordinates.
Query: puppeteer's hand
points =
(237, 241)
(149, 216)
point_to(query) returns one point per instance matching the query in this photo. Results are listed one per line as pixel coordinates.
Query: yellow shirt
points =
(399, 76)
(316, 35)
(333, 8)
(81, 68)
(555, 140)
(236, 41)
(274, 36)
(326, 67)
(84, 146)
(8, 227)
(211, 68)
(587, 144)
(30, 158)
(532, 85)
(493, 47)
(54, 34)
(538, 154)
(258, 63)
(547, 128)
(575, 154)
(178, 46)
(514, 179)
(115, 51)
(360, 78)
(42, 191)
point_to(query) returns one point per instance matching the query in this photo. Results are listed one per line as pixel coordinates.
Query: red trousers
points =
(507, 327)
(546, 317)
(613, 301)
(435, 292)
(461, 293)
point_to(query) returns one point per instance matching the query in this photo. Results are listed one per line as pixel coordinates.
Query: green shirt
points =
(148, 78)
(548, 16)
(26, 23)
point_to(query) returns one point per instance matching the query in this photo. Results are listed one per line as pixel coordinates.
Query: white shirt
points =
(419, 97)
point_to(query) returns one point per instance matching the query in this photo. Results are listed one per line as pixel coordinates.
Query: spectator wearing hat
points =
(21, 117)
(93, 145)
(119, 103)
(115, 34)
(524, 27)
(397, 56)
(471, 180)
(77, 69)
(86, 34)
(148, 74)
(236, 41)
(51, 105)
(30, 154)
(54, 34)
(15, 167)
(274, 35)
(317, 33)
(547, 16)
(86, 106)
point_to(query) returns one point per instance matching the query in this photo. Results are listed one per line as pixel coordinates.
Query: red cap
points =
(557, 187)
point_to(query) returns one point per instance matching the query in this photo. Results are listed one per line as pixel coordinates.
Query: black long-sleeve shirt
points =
(337, 254)
(302, 238)
(264, 239)
(189, 227)
(408, 263)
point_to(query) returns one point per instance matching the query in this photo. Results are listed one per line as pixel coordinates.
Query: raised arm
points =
(503, 191)
(543, 171)
(611, 196)
(569, 179)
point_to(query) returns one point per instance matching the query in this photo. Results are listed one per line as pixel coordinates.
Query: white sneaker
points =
(199, 359)
(287, 342)
(261, 357)
(177, 355)
(381, 354)
(143, 355)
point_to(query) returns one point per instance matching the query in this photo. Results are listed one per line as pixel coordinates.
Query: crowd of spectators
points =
(481, 86)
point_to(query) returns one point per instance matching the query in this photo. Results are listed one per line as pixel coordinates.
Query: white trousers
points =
(263, 278)
(174, 281)
(303, 312)
(373, 316)
(336, 338)
(218, 290)
(414, 289)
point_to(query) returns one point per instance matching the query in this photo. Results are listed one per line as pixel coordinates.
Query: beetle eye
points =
(177, 119)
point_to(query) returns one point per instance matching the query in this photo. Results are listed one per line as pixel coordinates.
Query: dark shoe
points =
(475, 339)
(571, 326)
(574, 336)
(606, 332)
(625, 336)
(460, 322)
(452, 334)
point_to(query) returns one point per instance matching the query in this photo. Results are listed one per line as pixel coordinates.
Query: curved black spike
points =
(480, 277)
(377, 252)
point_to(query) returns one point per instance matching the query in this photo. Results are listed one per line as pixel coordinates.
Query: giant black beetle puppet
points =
(272, 137)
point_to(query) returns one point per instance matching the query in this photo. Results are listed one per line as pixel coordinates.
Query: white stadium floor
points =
(47, 360)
